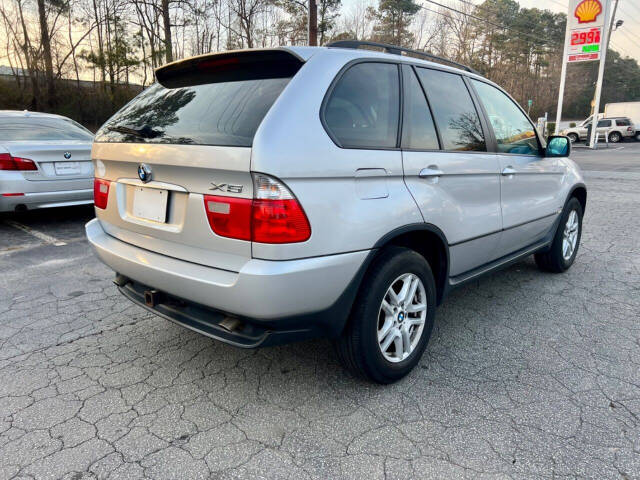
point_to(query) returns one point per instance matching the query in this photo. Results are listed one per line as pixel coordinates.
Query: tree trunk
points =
(167, 31)
(46, 51)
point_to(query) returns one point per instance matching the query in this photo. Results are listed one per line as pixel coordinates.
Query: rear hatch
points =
(187, 136)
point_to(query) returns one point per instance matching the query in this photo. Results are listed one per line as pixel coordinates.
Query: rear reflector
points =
(229, 216)
(274, 216)
(7, 162)
(100, 192)
(13, 194)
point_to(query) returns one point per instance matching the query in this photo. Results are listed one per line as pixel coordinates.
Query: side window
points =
(418, 130)
(364, 107)
(513, 130)
(623, 122)
(453, 109)
(604, 123)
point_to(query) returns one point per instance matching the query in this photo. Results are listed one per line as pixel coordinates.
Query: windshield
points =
(14, 128)
(586, 122)
(222, 113)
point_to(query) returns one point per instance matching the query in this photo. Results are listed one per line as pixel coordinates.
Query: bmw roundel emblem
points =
(67, 155)
(144, 172)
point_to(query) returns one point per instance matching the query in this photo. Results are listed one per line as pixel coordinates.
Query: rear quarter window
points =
(363, 108)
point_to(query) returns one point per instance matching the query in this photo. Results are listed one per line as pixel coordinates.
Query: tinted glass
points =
(222, 113)
(604, 123)
(453, 109)
(41, 129)
(513, 130)
(364, 106)
(623, 122)
(418, 130)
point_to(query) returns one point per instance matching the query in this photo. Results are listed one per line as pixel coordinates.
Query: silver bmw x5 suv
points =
(265, 196)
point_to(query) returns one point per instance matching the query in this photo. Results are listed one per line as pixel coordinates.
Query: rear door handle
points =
(430, 171)
(508, 171)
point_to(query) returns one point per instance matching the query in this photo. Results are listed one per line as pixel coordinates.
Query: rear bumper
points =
(308, 294)
(43, 194)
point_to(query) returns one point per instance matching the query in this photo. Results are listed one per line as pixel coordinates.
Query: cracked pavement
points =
(527, 375)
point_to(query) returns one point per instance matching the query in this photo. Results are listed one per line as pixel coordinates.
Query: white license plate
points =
(150, 204)
(67, 168)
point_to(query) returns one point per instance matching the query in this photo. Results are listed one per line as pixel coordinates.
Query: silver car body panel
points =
(464, 202)
(262, 289)
(353, 198)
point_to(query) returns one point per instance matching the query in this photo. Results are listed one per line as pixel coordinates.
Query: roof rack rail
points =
(395, 50)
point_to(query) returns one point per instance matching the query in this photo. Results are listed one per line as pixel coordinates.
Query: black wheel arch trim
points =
(442, 277)
(577, 186)
(335, 317)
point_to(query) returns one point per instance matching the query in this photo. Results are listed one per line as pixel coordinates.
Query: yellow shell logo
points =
(588, 10)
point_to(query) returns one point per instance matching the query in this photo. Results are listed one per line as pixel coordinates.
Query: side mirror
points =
(558, 146)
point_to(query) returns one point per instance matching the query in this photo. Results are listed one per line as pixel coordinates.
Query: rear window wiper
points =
(144, 132)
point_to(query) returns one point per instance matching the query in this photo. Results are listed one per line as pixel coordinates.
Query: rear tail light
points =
(629, 129)
(7, 162)
(274, 215)
(100, 192)
(229, 216)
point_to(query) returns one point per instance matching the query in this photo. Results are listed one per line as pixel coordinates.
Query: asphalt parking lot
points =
(527, 375)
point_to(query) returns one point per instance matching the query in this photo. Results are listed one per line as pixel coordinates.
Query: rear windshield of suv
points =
(223, 113)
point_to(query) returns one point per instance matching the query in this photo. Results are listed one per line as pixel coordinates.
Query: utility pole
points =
(563, 76)
(596, 98)
(313, 23)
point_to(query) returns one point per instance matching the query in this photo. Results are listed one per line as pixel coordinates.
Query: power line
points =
(626, 34)
(497, 25)
(632, 33)
(483, 6)
(619, 49)
(634, 6)
(628, 17)
(563, 5)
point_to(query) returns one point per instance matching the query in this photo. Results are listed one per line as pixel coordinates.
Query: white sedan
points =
(45, 161)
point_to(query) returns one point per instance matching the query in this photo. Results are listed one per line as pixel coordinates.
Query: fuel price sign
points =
(585, 23)
(584, 44)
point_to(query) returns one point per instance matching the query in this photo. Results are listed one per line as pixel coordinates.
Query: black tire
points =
(614, 137)
(573, 138)
(638, 137)
(357, 348)
(553, 259)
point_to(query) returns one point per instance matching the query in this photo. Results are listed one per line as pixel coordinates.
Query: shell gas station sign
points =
(585, 23)
(586, 39)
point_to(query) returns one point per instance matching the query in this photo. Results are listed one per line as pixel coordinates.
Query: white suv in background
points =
(614, 129)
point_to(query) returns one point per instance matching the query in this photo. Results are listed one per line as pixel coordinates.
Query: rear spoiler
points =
(229, 67)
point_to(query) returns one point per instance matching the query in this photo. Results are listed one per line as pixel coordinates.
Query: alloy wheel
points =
(570, 235)
(401, 317)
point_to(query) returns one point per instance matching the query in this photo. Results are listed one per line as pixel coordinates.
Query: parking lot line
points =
(42, 236)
